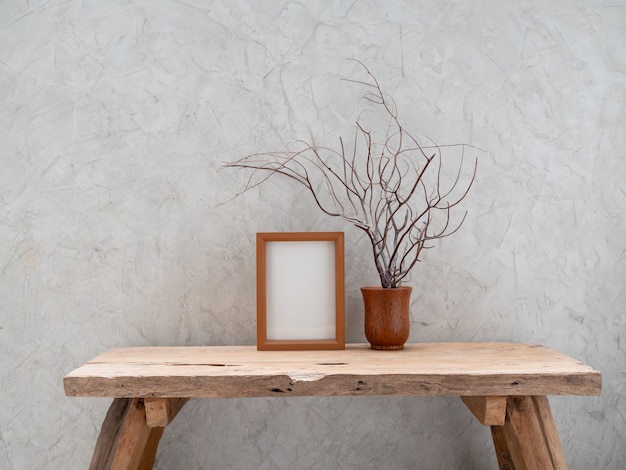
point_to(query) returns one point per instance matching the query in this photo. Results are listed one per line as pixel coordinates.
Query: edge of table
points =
(421, 369)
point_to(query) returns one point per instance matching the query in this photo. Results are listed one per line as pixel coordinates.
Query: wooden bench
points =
(504, 385)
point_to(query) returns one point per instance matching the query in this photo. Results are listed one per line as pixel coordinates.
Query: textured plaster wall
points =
(115, 117)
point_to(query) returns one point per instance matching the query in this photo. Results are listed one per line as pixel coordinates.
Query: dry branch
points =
(391, 188)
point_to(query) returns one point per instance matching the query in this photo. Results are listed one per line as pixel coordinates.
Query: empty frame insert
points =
(300, 291)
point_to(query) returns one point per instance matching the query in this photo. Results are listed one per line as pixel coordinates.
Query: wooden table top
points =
(463, 369)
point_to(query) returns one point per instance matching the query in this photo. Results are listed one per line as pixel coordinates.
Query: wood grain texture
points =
(531, 436)
(549, 432)
(161, 411)
(503, 454)
(463, 369)
(109, 434)
(126, 442)
(490, 411)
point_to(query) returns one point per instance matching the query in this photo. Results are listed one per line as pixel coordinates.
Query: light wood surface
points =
(504, 385)
(463, 369)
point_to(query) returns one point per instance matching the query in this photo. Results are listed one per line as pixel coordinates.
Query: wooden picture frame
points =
(300, 291)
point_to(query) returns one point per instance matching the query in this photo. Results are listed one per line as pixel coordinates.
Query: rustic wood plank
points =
(109, 434)
(505, 461)
(126, 442)
(523, 430)
(161, 411)
(148, 456)
(463, 369)
(134, 439)
(549, 431)
(490, 411)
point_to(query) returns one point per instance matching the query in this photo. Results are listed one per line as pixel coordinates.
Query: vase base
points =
(394, 347)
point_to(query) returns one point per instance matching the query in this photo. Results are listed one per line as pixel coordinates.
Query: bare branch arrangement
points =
(383, 181)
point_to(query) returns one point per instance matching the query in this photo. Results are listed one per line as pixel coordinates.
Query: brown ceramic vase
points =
(387, 321)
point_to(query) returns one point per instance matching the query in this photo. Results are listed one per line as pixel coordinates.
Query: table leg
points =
(128, 440)
(528, 440)
(505, 462)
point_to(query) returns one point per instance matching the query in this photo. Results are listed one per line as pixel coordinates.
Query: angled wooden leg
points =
(550, 433)
(523, 431)
(491, 411)
(109, 434)
(126, 440)
(148, 456)
(505, 461)
(528, 440)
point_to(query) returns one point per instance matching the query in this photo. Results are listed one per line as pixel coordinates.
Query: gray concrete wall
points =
(115, 119)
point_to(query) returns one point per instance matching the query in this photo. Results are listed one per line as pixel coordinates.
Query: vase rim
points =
(386, 288)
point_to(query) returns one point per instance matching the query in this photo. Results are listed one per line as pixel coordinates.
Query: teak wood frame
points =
(265, 344)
